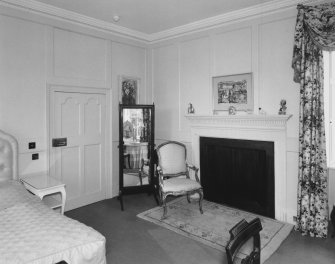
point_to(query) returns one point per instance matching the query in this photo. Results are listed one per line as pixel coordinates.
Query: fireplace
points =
(270, 128)
(238, 173)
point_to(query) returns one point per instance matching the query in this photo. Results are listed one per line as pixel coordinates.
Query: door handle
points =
(59, 142)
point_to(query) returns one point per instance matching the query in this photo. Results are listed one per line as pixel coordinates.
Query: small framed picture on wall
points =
(129, 90)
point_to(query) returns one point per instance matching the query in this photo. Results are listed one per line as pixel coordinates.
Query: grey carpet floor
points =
(133, 240)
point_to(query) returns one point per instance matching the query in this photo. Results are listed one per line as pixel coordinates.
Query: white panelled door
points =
(79, 117)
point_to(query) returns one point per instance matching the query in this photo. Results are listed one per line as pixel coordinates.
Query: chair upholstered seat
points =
(177, 185)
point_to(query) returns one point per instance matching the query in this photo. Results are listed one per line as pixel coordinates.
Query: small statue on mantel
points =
(232, 110)
(282, 109)
(190, 109)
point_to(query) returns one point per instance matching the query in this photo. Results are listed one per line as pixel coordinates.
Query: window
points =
(329, 104)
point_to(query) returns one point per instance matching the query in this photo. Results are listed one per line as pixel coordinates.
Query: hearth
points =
(239, 173)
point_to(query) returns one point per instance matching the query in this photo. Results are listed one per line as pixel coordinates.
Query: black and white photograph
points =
(167, 132)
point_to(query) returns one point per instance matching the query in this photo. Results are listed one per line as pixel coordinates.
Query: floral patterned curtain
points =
(314, 32)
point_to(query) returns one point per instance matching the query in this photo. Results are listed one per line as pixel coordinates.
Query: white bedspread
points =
(30, 232)
(12, 193)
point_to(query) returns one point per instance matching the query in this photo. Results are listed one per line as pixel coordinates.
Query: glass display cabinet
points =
(136, 149)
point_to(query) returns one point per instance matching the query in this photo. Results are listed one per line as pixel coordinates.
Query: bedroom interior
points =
(66, 66)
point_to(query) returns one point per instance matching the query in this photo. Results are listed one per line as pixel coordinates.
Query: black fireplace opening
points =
(238, 173)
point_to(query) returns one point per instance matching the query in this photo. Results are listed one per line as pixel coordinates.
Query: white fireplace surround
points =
(251, 127)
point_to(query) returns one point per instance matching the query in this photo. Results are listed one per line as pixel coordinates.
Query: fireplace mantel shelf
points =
(247, 121)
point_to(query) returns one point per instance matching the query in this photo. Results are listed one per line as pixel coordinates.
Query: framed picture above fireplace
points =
(233, 90)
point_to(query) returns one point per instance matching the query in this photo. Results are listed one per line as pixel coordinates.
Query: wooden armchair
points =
(239, 235)
(173, 174)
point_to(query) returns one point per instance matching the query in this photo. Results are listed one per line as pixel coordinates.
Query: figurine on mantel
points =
(190, 109)
(232, 110)
(282, 109)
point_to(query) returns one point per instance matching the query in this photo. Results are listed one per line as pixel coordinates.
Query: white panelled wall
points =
(183, 70)
(37, 53)
(23, 88)
(130, 61)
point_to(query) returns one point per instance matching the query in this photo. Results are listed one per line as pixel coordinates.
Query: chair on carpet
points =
(240, 234)
(174, 174)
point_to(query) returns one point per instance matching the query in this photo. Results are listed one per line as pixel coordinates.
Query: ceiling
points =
(152, 16)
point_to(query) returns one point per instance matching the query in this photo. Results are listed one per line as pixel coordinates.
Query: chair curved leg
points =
(164, 206)
(160, 197)
(201, 196)
(188, 198)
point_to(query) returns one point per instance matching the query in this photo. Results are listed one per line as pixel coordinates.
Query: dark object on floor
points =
(239, 235)
(332, 220)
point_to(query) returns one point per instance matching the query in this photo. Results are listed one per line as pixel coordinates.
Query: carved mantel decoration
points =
(246, 121)
(250, 127)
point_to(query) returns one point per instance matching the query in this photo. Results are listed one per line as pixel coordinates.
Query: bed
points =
(31, 232)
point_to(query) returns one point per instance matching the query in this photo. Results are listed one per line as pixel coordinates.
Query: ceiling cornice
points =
(216, 21)
(73, 17)
(201, 25)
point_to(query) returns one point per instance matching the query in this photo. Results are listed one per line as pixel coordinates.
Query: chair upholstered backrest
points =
(8, 157)
(172, 157)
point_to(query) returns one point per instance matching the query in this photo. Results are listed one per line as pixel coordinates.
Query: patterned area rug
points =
(212, 227)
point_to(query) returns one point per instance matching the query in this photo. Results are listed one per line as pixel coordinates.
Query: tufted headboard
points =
(8, 157)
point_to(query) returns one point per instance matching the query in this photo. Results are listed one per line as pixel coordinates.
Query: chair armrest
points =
(192, 167)
(195, 169)
(160, 175)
